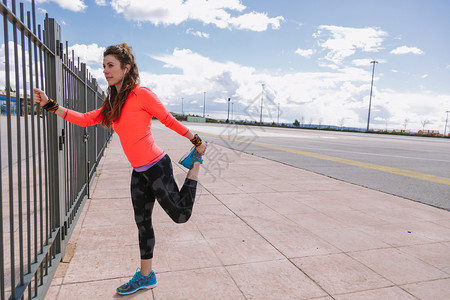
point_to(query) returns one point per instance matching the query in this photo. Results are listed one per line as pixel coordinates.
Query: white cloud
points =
(91, 54)
(194, 64)
(413, 106)
(73, 5)
(197, 33)
(100, 2)
(343, 42)
(256, 22)
(424, 76)
(175, 12)
(305, 53)
(407, 50)
(361, 62)
(327, 65)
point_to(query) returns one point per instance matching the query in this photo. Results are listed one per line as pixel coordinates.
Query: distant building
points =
(430, 132)
(401, 131)
(14, 107)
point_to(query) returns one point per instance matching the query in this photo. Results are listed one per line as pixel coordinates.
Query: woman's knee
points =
(182, 217)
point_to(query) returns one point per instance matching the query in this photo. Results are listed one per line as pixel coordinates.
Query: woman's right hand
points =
(40, 97)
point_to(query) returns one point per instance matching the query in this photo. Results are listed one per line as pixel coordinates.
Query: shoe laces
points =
(136, 277)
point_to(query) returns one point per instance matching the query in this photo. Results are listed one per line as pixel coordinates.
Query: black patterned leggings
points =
(158, 183)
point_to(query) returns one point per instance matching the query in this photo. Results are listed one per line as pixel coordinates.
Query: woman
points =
(129, 109)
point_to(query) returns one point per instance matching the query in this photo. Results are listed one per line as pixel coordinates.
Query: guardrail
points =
(47, 164)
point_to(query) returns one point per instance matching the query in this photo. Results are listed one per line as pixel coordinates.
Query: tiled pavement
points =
(260, 230)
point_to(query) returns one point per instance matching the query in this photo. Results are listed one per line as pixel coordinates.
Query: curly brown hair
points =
(114, 100)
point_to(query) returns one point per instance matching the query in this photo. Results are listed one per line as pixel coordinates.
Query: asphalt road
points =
(417, 168)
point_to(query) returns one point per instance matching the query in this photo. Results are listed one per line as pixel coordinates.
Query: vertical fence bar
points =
(39, 146)
(39, 153)
(51, 136)
(33, 147)
(2, 254)
(66, 95)
(27, 146)
(19, 146)
(9, 141)
(45, 160)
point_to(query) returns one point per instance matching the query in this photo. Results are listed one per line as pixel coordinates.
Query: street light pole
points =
(262, 100)
(182, 108)
(232, 116)
(228, 116)
(371, 87)
(446, 120)
(278, 119)
(204, 103)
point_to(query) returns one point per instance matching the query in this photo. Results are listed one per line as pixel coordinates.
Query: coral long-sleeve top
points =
(134, 125)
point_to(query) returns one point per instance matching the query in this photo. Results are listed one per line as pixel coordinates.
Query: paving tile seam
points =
(96, 250)
(286, 259)
(422, 281)
(367, 290)
(404, 246)
(395, 248)
(347, 253)
(375, 289)
(423, 244)
(422, 260)
(368, 267)
(310, 278)
(235, 283)
(333, 253)
(408, 292)
(107, 198)
(59, 286)
(403, 286)
(210, 268)
(91, 281)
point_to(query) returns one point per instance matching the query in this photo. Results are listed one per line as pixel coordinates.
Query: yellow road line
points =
(402, 172)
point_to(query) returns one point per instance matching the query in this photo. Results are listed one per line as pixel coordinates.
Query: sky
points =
(304, 60)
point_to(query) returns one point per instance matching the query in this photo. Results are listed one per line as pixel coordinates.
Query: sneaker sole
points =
(147, 287)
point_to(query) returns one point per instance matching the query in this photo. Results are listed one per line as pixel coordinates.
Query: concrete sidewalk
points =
(260, 230)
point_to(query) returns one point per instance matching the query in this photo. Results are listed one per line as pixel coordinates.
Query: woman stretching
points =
(128, 108)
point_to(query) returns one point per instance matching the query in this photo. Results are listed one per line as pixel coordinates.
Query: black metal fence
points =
(46, 163)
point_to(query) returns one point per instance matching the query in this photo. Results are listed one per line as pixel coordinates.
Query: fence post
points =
(56, 134)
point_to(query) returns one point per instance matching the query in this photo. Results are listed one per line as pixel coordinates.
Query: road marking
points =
(376, 154)
(402, 172)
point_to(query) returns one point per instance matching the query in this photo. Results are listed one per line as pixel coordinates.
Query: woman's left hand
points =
(202, 148)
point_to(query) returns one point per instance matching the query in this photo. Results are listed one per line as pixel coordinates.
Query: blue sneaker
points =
(190, 158)
(137, 282)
